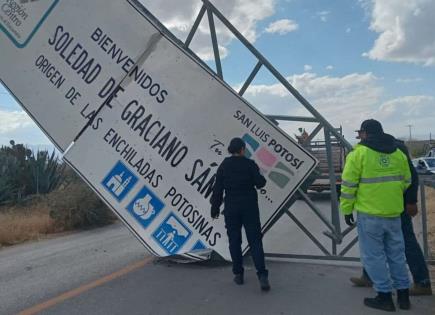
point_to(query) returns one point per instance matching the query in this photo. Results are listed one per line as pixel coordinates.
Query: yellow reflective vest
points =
(374, 182)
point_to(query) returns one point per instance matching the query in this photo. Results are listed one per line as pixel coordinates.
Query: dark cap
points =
(236, 145)
(371, 127)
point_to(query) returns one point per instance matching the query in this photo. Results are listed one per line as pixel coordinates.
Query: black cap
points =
(371, 127)
(236, 145)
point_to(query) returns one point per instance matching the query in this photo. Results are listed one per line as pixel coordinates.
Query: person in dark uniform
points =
(239, 177)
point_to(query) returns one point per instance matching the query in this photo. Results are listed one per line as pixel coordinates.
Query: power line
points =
(410, 134)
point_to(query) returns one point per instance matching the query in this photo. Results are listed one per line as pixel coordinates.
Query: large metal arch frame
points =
(332, 224)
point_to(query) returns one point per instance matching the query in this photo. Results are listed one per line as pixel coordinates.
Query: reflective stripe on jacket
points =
(374, 182)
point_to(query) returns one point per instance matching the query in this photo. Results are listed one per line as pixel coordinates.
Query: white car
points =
(424, 165)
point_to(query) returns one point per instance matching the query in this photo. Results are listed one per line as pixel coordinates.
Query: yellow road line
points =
(86, 287)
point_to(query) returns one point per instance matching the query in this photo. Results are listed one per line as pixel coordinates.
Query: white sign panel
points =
(153, 150)
(51, 55)
(154, 159)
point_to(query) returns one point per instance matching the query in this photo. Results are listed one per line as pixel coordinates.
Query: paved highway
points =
(107, 271)
(37, 271)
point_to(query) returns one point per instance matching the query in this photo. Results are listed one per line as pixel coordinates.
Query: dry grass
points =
(72, 207)
(25, 222)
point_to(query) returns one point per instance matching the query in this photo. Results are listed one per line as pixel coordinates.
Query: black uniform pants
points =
(235, 218)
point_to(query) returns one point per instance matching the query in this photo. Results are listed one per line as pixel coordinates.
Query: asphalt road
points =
(37, 271)
(107, 271)
(170, 289)
(286, 237)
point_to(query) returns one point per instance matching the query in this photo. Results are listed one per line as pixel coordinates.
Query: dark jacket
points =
(239, 177)
(388, 144)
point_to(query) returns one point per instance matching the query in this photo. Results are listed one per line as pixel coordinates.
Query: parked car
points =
(424, 165)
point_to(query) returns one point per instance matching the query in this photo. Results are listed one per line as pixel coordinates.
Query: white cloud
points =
(206, 52)
(348, 30)
(405, 30)
(416, 110)
(243, 14)
(17, 125)
(282, 27)
(408, 80)
(307, 68)
(345, 100)
(13, 120)
(323, 15)
(329, 67)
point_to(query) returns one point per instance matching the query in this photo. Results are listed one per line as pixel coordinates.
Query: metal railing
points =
(331, 136)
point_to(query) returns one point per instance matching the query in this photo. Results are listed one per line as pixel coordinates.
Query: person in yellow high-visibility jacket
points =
(375, 176)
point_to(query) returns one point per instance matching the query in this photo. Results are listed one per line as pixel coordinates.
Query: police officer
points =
(375, 177)
(239, 177)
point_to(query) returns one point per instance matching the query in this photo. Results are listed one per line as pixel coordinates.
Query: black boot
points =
(383, 301)
(403, 299)
(264, 282)
(238, 279)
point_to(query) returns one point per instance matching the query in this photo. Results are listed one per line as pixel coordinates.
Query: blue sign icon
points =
(199, 246)
(172, 234)
(119, 181)
(145, 207)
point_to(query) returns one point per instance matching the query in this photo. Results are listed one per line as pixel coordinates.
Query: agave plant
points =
(46, 170)
(23, 172)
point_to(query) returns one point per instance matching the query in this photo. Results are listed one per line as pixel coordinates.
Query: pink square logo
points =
(265, 158)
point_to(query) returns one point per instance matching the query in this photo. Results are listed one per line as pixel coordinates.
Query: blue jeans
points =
(414, 255)
(383, 252)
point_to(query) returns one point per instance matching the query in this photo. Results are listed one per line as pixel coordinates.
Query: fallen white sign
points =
(153, 149)
(51, 59)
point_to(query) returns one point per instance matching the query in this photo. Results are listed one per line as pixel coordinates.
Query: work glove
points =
(214, 212)
(349, 219)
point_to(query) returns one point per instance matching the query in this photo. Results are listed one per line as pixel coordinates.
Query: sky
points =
(351, 59)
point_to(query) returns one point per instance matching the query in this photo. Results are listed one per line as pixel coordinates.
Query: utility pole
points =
(410, 135)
